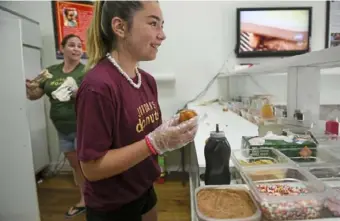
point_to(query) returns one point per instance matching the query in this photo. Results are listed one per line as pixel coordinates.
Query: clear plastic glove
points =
(172, 135)
(64, 92)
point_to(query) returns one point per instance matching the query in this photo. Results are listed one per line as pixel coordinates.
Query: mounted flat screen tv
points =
(269, 32)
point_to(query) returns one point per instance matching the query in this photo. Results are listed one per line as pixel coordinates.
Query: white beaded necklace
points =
(139, 81)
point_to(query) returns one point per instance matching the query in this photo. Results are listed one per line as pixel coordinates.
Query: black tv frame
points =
(270, 53)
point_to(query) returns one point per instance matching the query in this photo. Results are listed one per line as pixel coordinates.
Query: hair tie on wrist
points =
(151, 148)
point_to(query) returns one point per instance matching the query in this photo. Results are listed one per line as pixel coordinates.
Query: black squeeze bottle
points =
(217, 156)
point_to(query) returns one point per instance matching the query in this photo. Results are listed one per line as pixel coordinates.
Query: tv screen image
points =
(273, 31)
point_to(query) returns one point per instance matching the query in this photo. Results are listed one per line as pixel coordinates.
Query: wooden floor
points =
(57, 194)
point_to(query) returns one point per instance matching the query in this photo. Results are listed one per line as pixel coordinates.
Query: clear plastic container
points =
(287, 193)
(259, 157)
(326, 172)
(316, 156)
(333, 148)
(238, 187)
(330, 176)
(326, 139)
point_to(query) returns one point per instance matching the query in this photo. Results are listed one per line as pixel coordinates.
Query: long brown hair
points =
(100, 37)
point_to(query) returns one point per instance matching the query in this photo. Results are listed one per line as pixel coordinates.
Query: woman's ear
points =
(118, 27)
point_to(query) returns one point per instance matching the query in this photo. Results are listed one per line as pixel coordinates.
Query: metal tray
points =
(325, 173)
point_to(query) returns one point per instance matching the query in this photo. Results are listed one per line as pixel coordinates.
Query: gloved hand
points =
(172, 135)
(63, 92)
(31, 85)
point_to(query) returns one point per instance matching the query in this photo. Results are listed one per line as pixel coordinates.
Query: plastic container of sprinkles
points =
(330, 175)
(287, 193)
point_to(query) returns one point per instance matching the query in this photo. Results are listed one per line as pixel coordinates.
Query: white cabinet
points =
(30, 43)
(36, 112)
(18, 196)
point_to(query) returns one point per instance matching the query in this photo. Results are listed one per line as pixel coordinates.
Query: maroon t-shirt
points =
(111, 114)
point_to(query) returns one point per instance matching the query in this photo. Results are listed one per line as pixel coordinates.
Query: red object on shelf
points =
(161, 180)
(332, 127)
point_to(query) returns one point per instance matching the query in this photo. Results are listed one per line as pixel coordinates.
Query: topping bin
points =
(305, 159)
(286, 192)
(216, 202)
(261, 157)
(330, 176)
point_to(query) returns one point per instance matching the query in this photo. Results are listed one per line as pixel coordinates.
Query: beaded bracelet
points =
(148, 143)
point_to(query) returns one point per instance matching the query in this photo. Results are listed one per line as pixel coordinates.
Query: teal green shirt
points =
(62, 114)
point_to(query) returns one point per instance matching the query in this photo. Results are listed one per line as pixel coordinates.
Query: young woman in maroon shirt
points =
(119, 122)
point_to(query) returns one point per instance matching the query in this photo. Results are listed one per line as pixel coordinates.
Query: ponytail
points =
(95, 46)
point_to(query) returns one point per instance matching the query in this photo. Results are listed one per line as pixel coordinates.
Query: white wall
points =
(200, 37)
(276, 84)
(189, 29)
